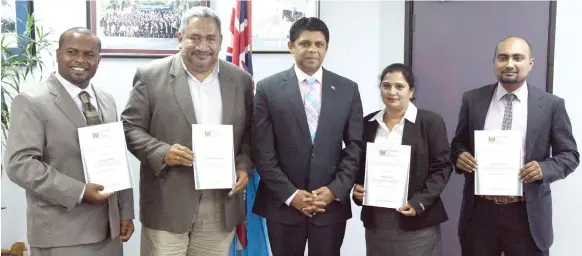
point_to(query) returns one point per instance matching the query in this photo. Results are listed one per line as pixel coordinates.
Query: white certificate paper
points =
(387, 174)
(499, 159)
(213, 147)
(104, 155)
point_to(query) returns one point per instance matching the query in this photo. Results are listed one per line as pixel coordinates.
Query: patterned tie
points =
(507, 119)
(508, 115)
(311, 107)
(90, 112)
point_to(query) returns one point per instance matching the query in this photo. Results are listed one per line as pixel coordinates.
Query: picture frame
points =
(15, 15)
(146, 28)
(272, 19)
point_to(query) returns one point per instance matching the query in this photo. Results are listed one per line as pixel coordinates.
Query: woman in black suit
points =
(414, 229)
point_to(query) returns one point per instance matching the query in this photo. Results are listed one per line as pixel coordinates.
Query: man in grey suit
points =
(516, 226)
(169, 95)
(66, 216)
(301, 117)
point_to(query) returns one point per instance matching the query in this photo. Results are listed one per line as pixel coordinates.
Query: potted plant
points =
(21, 63)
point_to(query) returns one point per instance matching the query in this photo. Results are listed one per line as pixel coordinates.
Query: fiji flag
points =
(251, 237)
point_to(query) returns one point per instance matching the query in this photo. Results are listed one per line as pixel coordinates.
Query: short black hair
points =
(79, 30)
(309, 24)
(512, 37)
(404, 70)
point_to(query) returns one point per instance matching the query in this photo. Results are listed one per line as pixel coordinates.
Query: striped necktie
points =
(89, 111)
(311, 107)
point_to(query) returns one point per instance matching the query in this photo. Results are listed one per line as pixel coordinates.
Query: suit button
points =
(312, 155)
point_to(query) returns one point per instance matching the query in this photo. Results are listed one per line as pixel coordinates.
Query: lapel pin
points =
(333, 87)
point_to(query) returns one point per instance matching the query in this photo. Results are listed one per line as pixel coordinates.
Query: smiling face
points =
(513, 61)
(200, 44)
(395, 90)
(78, 58)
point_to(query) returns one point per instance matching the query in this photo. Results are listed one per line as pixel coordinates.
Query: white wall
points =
(567, 204)
(359, 49)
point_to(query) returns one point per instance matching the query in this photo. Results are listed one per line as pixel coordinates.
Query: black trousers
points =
(495, 228)
(289, 240)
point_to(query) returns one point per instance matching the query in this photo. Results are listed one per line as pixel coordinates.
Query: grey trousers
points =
(106, 247)
(388, 239)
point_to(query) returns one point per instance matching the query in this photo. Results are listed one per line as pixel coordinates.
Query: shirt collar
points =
(409, 114)
(213, 75)
(74, 90)
(520, 93)
(301, 76)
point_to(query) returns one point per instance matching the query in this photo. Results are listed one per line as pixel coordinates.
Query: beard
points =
(510, 79)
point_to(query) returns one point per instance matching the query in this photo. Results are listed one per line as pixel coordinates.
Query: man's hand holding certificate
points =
(213, 148)
(105, 161)
(387, 174)
(499, 157)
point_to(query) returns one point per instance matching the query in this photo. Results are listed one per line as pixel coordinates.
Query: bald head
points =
(80, 31)
(513, 40)
(512, 62)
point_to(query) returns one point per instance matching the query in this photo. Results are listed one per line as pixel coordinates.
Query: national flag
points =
(251, 237)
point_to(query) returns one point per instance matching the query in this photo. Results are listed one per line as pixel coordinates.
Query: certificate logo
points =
(95, 135)
(382, 152)
(491, 139)
(207, 133)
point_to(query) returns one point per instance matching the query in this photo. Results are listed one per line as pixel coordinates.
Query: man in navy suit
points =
(301, 116)
(516, 226)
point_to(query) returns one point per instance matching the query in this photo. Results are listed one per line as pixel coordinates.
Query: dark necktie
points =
(90, 112)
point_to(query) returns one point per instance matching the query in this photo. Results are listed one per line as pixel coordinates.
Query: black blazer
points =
(549, 141)
(287, 160)
(430, 169)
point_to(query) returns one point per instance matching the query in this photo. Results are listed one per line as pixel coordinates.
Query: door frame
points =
(409, 29)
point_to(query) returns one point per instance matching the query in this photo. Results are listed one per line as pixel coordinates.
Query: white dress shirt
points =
(384, 135)
(494, 119)
(74, 92)
(394, 137)
(206, 97)
(303, 87)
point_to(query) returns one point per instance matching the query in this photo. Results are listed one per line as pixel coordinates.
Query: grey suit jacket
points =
(160, 113)
(43, 157)
(287, 160)
(549, 141)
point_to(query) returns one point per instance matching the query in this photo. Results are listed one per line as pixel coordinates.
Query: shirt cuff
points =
(81, 197)
(288, 202)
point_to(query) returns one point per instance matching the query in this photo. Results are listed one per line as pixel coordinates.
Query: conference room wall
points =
(362, 43)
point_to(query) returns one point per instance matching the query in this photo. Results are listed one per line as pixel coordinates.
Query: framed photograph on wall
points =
(272, 19)
(138, 28)
(13, 27)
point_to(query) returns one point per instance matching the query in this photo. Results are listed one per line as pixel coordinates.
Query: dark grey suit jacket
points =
(160, 113)
(43, 157)
(549, 141)
(283, 152)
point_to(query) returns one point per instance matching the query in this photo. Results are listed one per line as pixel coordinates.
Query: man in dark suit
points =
(517, 226)
(301, 116)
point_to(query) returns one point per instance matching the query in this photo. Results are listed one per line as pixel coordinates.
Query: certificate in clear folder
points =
(386, 175)
(499, 156)
(105, 157)
(213, 147)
